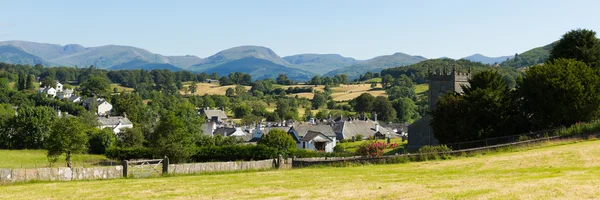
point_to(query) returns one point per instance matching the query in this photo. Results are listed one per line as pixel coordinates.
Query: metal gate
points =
(144, 168)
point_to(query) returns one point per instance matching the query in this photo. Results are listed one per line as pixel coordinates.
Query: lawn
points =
(37, 159)
(120, 88)
(209, 88)
(420, 88)
(556, 172)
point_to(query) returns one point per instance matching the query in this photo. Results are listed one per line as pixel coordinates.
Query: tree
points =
(173, 138)
(373, 85)
(319, 100)
(280, 140)
(331, 104)
(364, 103)
(100, 140)
(95, 86)
(68, 136)
(386, 80)
(396, 92)
(580, 44)
(405, 109)
(384, 109)
(560, 93)
(307, 114)
(242, 110)
(130, 138)
(282, 79)
(32, 126)
(49, 82)
(193, 87)
(230, 92)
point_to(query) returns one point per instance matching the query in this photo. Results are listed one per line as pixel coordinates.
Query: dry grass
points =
(556, 172)
(38, 159)
(120, 88)
(209, 88)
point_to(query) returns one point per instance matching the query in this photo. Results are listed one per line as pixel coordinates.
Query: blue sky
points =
(360, 29)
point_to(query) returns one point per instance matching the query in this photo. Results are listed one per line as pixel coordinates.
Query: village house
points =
(65, 94)
(101, 105)
(59, 87)
(353, 128)
(217, 116)
(115, 123)
(313, 137)
(48, 91)
(74, 99)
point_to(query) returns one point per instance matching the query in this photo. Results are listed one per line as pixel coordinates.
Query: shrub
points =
(128, 153)
(359, 137)
(374, 149)
(303, 153)
(234, 152)
(433, 152)
(280, 140)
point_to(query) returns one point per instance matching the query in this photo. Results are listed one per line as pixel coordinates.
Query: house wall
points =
(104, 108)
(121, 127)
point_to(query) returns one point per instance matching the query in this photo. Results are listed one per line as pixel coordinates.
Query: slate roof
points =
(113, 121)
(303, 128)
(224, 131)
(312, 135)
(72, 98)
(215, 113)
(347, 129)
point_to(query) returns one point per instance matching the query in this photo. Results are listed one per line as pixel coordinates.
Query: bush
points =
(128, 153)
(433, 152)
(358, 137)
(303, 153)
(234, 153)
(374, 149)
(280, 140)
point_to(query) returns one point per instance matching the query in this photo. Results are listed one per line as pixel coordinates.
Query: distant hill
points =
(487, 60)
(256, 60)
(103, 57)
(532, 57)
(260, 69)
(377, 64)
(142, 64)
(15, 55)
(320, 63)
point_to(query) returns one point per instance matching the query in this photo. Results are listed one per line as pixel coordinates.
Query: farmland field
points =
(37, 159)
(558, 171)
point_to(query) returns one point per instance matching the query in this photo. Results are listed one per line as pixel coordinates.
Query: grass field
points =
(37, 159)
(420, 88)
(120, 88)
(556, 172)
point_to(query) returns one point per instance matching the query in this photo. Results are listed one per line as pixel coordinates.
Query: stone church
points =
(420, 132)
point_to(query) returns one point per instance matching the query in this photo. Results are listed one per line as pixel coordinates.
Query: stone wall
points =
(60, 174)
(193, 168)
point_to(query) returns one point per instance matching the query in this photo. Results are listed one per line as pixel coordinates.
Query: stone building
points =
(420, 132)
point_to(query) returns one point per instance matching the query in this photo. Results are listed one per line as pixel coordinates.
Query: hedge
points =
(234, 153)
(128, 153)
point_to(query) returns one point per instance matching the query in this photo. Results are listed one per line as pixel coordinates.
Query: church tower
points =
(440, 83)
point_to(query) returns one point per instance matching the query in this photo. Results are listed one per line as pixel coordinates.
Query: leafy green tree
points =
(242, 110)
(406, 110)
(49, 82)
(7, 113)
(280, 140)
(364, 103)
(32, 126)
(580, 44)
(322, 114)
(130, 138)
(331, 104)
(308, 114)
(386, 80)
(384, 109)
(560, 93)
(68, 136)
(100, 140)
(95, 86)
(172, 138)
(258, 108)
(193, 87)
(282, 79)
(396, 92)
(319, 100)
(230, 92)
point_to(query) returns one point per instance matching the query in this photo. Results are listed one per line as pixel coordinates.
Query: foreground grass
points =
(561, 171)
(38, 159)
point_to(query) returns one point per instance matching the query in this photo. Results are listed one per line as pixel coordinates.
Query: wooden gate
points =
(145, 168)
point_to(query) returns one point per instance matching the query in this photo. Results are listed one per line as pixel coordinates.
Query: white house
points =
(48, 91)
(318, 141)
(116, 124)
(65, 93)
(59, 87)
(102, 106)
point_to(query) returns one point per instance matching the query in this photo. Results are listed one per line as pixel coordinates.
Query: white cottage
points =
(65, 94)
(48, 91)
(59, 87)
(102, 106)
(116, 124)
(318, 141)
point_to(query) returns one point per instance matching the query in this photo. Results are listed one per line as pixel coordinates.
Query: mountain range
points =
(260, 62)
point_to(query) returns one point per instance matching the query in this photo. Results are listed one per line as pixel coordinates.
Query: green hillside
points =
(532, 57)
(14, 55)
(377, 64)
(320, 63)
(260, 69)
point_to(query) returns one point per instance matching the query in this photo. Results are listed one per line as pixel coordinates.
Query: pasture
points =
(38, 159)
(563, 170)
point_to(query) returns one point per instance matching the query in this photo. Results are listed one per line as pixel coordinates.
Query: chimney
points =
(376, 128)
(124, 115)
(375, 116)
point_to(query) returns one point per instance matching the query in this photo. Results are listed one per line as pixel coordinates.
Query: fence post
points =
(124, 163)
(165, 166)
